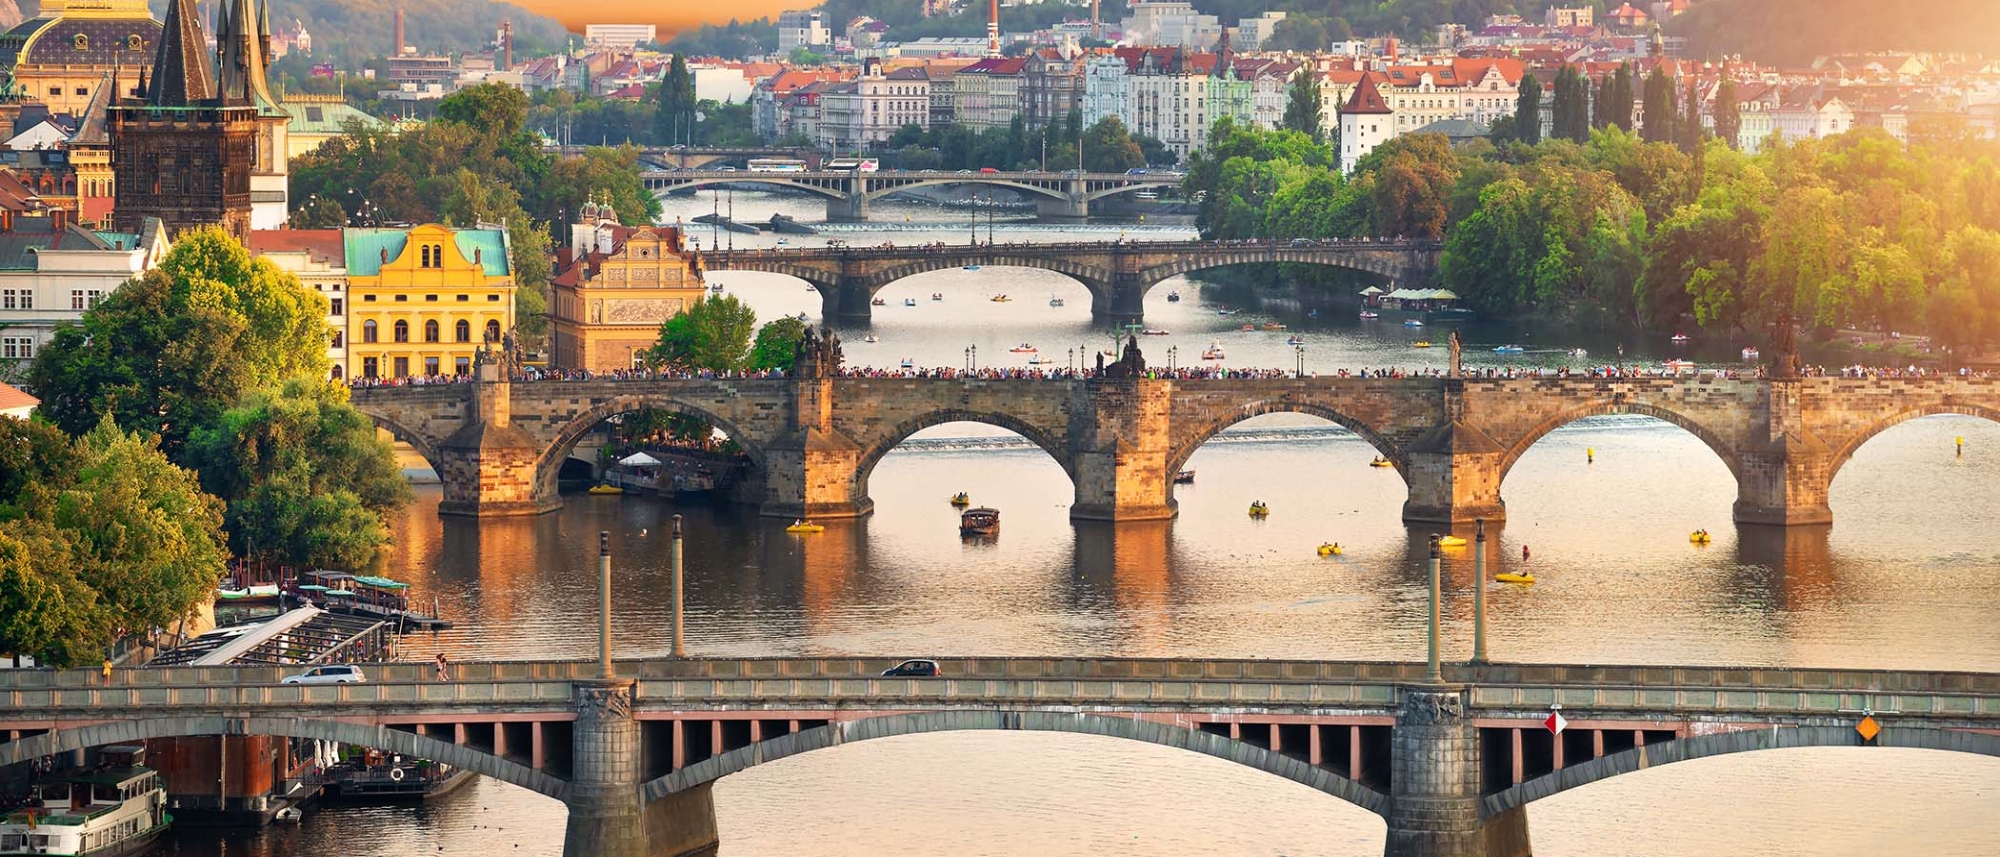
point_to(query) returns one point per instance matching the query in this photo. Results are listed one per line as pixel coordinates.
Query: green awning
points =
(381, 582)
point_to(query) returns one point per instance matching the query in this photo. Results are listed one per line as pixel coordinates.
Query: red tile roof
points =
(11, 397)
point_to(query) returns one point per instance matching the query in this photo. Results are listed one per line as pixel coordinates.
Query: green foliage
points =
(777, 341)
(1302, 108)
(1572, 105)
(714, 334)
(674, 105)
(168, 352)
(1660, 111)
(351, 32)
(319, 214)
(305, 476)
(1528, 111)
(1728, 114)
(735, 40)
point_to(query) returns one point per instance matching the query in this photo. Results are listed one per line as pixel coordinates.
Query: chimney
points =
(399, 32)
(993, 31)
(58, 219)
(507, 42)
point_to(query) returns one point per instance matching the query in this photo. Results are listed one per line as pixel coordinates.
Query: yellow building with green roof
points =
(423, 300)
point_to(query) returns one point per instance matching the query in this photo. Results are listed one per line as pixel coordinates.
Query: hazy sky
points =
(670, 15)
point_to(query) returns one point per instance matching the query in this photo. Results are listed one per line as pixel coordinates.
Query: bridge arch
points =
(1845, 452)
(1185, 448)
(1374, 261)
(1090, 277)
(1724, 743)
(423, 445)
(549, 465)
(1136, 186)
(359, 734)
(887, 441)
(1527, 441)
(669, 185)
(843, 732)
(875, 193)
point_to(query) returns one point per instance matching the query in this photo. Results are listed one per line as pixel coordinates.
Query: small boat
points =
(1451, 541)
(961, 499)
(1679, 366)
(1000, 299)
(909, 302)
(1370, 314)
(878, 302)
(1329, 549)
(1212, 352)
(1679, 337)
(782, 242)
(937, 296)
(1024, 348)
(1381, 462)
(1751, 354)
(1185, 477)
(1295, 340)
(1578, 353)
(908, 363)
(1173, 297)
(1247, 328)
(1055, 301)
(871, 338)
(1700, 537)
(717, 288)
(1146, 194)
(1508, 349)
(1153, 332)
(1039, 360)
(1421, 343)
(1260, 510)
(979, 522)
(802, 526)
(970, 268)
(1411, 322)
(253, 592)
(1272, 325)
(292, 814)
(605, 488)
(1514, 577)
(1227, 311)
(811, 288)
(802, 317)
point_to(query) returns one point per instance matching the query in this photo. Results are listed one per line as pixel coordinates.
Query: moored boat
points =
(602, 488)
(1751, 353)
(115, 809)
(982, 521)
(1370, 314)
(1185, 477)
(1173, 297)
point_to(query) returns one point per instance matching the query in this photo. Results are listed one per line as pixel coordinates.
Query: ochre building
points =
(422, 301)
(613, 287)
(69, 50)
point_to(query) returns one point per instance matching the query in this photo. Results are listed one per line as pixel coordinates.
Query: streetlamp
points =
(975, 358)
(968, 358)
(1301, 371)
(1072, 361)
(1173, 354)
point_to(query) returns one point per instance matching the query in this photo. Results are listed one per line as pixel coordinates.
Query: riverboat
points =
(1212, 352)
(376, 776)
(116, 808)
(1024, 348)
(982, 521)
(1185, 477)
(909, 302)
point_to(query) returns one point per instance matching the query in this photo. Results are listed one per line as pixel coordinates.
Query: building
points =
(423, 300)
(315, 119)
(1171, 23)
(987, 94)
(65, 53)
(16, 404)
(1365, 122)
(613, 287)
(51, 270)
(619, 37)
(1561, 18)
(801, 28)
(1051, 86)
(869, 109)
(1809, 112)
(318, 258)
(202, 145)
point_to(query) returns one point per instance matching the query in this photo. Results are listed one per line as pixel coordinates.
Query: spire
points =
(240, 56)
(1367, 98)
(180, 67)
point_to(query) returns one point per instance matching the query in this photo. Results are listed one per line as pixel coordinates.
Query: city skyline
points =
(671, 17)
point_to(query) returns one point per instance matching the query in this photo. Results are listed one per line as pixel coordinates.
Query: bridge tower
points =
(810, 471)
(488, 464)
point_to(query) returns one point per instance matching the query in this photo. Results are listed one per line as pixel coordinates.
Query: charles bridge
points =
(813, 439)
(1117, 274)
(1449, 760)
(1065, 195)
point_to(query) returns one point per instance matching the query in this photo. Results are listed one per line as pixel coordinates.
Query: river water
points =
(1906, 578)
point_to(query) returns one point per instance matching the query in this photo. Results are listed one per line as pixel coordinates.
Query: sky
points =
(670, 15)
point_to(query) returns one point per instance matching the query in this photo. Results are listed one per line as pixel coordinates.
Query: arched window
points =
(82, 42)
(464, 330)
(493, 331)
(368, 331)
(402, 331)
(437, 254)
(427, 256)
(339, 339)
(338, 372)
(431, 331)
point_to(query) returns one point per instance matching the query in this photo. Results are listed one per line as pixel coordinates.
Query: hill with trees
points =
(352, 31)
(1793, 32)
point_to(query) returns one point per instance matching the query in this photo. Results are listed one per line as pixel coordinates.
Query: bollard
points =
(604, 605)
(1434, 672)
(1479, 592)
(674, 551)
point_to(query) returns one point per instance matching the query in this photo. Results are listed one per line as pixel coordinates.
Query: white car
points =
(329, 674)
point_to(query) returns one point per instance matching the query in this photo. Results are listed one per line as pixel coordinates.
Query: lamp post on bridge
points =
(1433, 669)
(1072, 361)
(1173, 354)
(1300, 351)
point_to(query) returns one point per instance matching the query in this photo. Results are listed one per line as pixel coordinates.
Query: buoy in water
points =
(1589, 455)
(1961, 445)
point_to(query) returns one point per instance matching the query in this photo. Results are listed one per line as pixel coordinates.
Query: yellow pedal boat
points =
(606, 489)
(961, 499)
(1259, 510)
(1330, 549)
(1699, 537)
(805, 527)
(1514, 577)
(1450, 542)
(1381, 462)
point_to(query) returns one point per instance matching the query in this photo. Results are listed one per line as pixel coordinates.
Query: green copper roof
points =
(365, 246)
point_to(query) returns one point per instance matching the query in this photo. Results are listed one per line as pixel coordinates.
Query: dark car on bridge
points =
(914, 668)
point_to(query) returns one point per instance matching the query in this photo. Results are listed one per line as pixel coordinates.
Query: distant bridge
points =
(847, 193)
(1450, 765)
(696, 157)
(1117, 274)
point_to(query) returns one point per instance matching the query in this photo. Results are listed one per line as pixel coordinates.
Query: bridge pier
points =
(1122, 451)
(488, 466)
(1120, 301)
(813, 471)
(1784, 480)
(847, 300)
(1454, 475)
(851, 208)
(1075, 206)
(1434, 783)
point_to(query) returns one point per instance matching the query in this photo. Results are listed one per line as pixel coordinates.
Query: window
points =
(464, 298)
(134, 43)
(427, 256)
(95, 296)
(338, 372)
(462, 365)
(7, 299)
(402, 367)
(339, 339)
(402, 331)
(55, 90)
(494, 299)
(17, 348)
(336, 306)
(431, 298)
(368, 299)
(464, 330)
(431, 332)
(368, 332)
(493, 331)
(368, 367)
(430, 366)
(402, 299)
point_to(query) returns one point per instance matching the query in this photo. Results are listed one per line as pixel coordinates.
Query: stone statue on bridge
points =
(1456, 368)
(1131, 363)
(817, 355)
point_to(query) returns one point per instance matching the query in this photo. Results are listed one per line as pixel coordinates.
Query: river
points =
(1906, 578)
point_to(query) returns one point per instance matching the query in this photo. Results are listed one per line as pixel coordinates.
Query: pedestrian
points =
(444, 668)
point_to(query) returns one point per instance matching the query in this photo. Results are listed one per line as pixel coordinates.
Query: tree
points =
(777, 342)
(1620, 105)
(168, 352)
(714, 335)
(1107, 148)
(319, 214)
(1302, 111)
(1528, 111)
(1688, 131)
(1659, 110)
(304, 474)
(1728, 115)
(1571, 110)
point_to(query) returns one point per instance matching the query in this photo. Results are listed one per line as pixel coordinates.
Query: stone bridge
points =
(1118, 274)
(698, 157)
(1450, 765)
(848, 193)
(813, 442)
